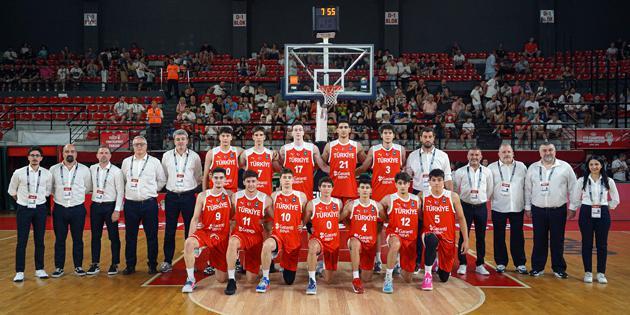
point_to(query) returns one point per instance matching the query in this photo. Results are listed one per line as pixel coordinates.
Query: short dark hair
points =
(103, 147)
(324, 180)
(35, 148)
(428, 129)
(219, 170)
(286, 171)
(297, 123)
(227, 130)
(249, 173)
(343, 121)
(475, 148)
(384, 127)
(403, 176)
(365, 180)
(257, 129)
(436, 173)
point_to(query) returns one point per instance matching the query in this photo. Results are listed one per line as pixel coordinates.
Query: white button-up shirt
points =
(70, 186)
(598, 193)
(183, 172)
(508, 194)
(466, 181)
(20, 185)
(110, 181)
(420, 164)
(560, 185)
(142, 184)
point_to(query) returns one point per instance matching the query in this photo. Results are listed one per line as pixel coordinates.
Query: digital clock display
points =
(326, 19)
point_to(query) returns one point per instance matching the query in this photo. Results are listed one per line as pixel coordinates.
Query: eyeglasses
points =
(35, 155)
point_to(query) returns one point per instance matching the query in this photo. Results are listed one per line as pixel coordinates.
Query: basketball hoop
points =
(330, 93)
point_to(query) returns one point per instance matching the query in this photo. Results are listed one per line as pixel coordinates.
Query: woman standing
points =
(594, 188)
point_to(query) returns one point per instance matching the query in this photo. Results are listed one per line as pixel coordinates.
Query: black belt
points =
(104, 203)
(141, 201)
(479, 205)
(183, 193)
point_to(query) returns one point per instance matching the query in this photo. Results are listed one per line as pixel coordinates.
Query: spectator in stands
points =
(9, 55)
(137, 110)
(538, 129)
(517, 89)
(500, 52)
(122, 111)
(404, 71)
(459, 60)
(429, 108)
(491, 66)
(448, 124)
(505, 90)
(261, 69)
(91, 70)
(123, 72)
(541, 90)
(522, 66)
(43, 52)
(619, 168)
(532, 103)
(468, 131)
(46, 74)
(531, 48)
(475, 96)
(76, 75)
(391, 69)
(32, 76)
(242, 68)
(491, 106)
(104, 59)
(172, 79)
(188, 117)
(521, 129)
(220, 90)
(458, 105)
(567, 77)
(242, 114)
(25, 51)
(181, 107)
(611, 52)
(422, 68)
(292, 113)
(141, 72)
(62, 77)
(492, 87)
(247, 90)
(554, 127)
(8, 77)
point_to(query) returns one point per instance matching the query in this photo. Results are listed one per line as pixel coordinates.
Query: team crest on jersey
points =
(231, 155)
(373, 210)
(222, 197)
(413, 204)
(334, 207)
(305, 153)
(394, 153)
(294, 199)
(443, 199)
(256, 204)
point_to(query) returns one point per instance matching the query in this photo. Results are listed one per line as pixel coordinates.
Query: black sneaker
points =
(129, 270)
(536, 273)
(113, 270)
(57, 273)
(153, 270)
(231, 287)
(79, 271)
(209, 271)
(561, 275)
(94, 269)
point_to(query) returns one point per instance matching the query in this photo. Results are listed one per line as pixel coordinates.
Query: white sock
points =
(378, 257)
(191, 273)
(231, 274)
(427, 269)
(389, 273)
(311, 275)
(355, 274)
(266, 273)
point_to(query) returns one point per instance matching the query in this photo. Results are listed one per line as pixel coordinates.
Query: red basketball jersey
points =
(363, 221)
(385, 165)
(249, 213)
(229, 161)
(287, 217)
(261, 164)
(325, 219)
(215, 215)
(438, 215)
(343, 162)
(403, 216)
(301, 161)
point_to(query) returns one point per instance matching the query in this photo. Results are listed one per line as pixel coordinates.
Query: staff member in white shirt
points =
(593, 191)
(474, 184)
(183, 172)
(107, 200)
(547, 184)
(29, 186)
(508, 202)
(144, 177)
(71, 181)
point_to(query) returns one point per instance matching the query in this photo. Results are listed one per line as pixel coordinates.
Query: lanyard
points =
(501, 173)
(548, 177)
(430, 164)
(98, 169)
(76, 170)
(141, 170)
(28, 181)
(470, 180)
(185, 161)
(590, 190)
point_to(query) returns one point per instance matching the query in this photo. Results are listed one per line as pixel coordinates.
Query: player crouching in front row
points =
(439, 209)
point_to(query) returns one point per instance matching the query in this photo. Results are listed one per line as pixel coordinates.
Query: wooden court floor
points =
(126, 295)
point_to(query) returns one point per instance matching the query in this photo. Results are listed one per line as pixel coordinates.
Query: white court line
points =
(524, 285)
(8, 238)
(147, 283)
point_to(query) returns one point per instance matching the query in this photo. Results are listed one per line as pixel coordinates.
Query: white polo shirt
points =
(36, 183)
(419, 165)
(108, 184)
(183, 172)
(143, 177)
(473, 186)
(70, 186)
(550, 188)
(508, 194)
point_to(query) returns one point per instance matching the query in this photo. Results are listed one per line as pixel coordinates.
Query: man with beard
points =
(547, 184)
(71, 181)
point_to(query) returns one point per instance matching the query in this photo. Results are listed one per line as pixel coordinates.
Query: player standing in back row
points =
(260, 159)
(224, 156)
(342, 156)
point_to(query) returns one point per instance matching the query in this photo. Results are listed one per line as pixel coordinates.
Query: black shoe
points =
(57, 273)
(561, 275)
(231, 287)
(129, 270)
(113, 270)
(272, 267)
(79, 271)
(153, 270)
(536, 273)
(209, 271)
(94, 269)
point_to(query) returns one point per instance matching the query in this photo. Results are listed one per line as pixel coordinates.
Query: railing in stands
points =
(525, 136)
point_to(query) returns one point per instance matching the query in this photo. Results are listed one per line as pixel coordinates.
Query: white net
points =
(330, 93)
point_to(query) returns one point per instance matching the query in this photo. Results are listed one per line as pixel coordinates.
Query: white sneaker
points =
(500, 268)
(41, 274)
(461, 270)
(19, 277)
(482, 270)
(588, 277)
(601, 278)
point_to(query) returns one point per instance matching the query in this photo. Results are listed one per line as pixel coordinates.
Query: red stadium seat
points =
(77, 100)
(64, 100)
(54, 100)
(43, 100)
(31, 100)
(111, 100)
(20, 100)
(92, 108)
(104, 108)
(99, 100)
(88, 99)
(9, 99)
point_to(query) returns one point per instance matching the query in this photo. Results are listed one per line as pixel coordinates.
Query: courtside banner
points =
(115, 139)
(603, 138)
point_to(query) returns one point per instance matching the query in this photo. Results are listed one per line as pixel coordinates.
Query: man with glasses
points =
(29, 187)
(71, 181)
(144, 177)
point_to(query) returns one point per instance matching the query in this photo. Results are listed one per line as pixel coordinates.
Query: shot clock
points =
(325, 19)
